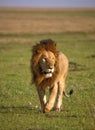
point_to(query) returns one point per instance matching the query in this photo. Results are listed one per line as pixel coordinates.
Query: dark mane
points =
(48, 45)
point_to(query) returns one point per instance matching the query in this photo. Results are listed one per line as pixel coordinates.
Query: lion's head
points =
(43, 63)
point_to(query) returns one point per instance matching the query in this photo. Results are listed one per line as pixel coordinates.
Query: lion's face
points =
(47, 63)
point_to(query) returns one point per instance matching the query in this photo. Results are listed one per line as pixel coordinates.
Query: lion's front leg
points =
(61, 87)
(52, 97)
(42, 97)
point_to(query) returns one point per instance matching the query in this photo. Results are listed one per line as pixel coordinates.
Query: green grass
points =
(18, 98)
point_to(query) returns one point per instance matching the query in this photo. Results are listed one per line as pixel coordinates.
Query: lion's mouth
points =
(48, 73)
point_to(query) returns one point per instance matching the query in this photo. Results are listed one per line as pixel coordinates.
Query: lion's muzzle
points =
(48, 72)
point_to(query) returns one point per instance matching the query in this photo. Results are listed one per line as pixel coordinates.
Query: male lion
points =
(49, 68)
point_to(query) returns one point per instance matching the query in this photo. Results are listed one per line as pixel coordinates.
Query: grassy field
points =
(74, 32)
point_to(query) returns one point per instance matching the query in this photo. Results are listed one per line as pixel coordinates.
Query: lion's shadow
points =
(30, 110)
(17, 109)
(63, 113)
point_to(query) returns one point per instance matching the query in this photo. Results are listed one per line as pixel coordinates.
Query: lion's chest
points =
(47, 83)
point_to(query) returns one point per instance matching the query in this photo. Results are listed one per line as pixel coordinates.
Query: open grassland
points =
(74, 33)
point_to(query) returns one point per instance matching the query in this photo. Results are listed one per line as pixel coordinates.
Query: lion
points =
(49, 69)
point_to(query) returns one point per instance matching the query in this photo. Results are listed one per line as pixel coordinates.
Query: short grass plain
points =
(74, 32)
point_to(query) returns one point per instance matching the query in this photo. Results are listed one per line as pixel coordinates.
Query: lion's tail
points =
(69, 94)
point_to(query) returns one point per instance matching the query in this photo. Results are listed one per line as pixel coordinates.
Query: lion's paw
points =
(46, 110)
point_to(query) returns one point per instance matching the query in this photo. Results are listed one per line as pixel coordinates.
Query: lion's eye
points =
(43, 60)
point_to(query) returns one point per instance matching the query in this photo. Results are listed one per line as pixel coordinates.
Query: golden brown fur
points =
(49, 68)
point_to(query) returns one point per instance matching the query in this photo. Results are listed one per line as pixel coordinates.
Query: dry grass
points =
(44, 21)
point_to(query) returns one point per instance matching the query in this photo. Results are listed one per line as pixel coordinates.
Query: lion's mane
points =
(37, 51)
